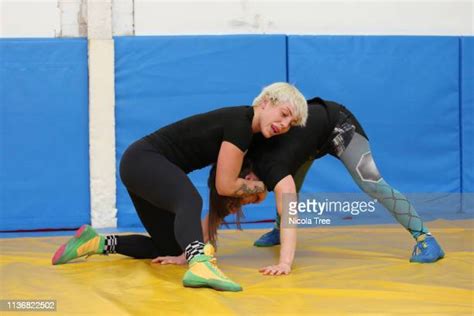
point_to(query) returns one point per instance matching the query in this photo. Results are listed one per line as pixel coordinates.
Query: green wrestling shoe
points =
(203, 272)
(86, 242)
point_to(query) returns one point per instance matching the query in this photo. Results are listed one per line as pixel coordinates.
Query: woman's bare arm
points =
(228, 183)
(288, 235)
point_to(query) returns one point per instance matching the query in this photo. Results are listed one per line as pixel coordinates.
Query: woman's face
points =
(251, 176)
(254, 198)
(276, 120)
(250, 199)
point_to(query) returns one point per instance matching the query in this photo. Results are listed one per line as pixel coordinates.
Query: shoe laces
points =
(419, 247)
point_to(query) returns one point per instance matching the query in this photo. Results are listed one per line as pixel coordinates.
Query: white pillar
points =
(101, 113)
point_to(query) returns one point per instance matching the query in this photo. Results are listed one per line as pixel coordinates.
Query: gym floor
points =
(338, 270)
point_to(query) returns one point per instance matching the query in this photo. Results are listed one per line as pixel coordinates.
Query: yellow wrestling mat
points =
(338, 270)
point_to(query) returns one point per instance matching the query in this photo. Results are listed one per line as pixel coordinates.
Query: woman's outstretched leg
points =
(358, 160)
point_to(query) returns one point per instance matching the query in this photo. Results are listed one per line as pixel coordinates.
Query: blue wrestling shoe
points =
(426, 250)
(272, 238)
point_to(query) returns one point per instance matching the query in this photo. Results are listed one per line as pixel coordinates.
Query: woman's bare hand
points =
(179, 260)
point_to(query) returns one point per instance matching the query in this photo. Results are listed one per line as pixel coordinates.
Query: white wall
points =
(58, 18)
(50, 18)
(448, 17)
(32, 18)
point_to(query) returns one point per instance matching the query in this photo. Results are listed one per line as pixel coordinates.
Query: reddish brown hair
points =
(220, 206)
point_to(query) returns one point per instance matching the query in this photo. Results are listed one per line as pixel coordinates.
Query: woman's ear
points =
(264, 102)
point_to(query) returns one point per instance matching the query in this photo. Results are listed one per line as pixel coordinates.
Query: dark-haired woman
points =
(282, 163)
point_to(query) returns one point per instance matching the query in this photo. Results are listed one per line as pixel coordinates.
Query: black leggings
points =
(168, 204)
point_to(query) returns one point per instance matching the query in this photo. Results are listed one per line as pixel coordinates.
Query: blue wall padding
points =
(467, 88)
(405, 93)
(413, 95)
(44, 161)
(160, 80)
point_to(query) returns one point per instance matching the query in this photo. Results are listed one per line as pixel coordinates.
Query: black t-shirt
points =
(194, 142)
(280, 156)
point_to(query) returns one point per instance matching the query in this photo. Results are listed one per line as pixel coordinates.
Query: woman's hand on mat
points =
(279, 269)
(170, 260)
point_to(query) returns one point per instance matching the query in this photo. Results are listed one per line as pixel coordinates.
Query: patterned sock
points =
(193, 249)
(398, 205)
(110, 244)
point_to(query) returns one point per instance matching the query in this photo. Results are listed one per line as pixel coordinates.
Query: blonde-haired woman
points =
(154, 171)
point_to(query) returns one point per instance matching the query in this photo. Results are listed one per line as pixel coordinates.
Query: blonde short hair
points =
(282, 92)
